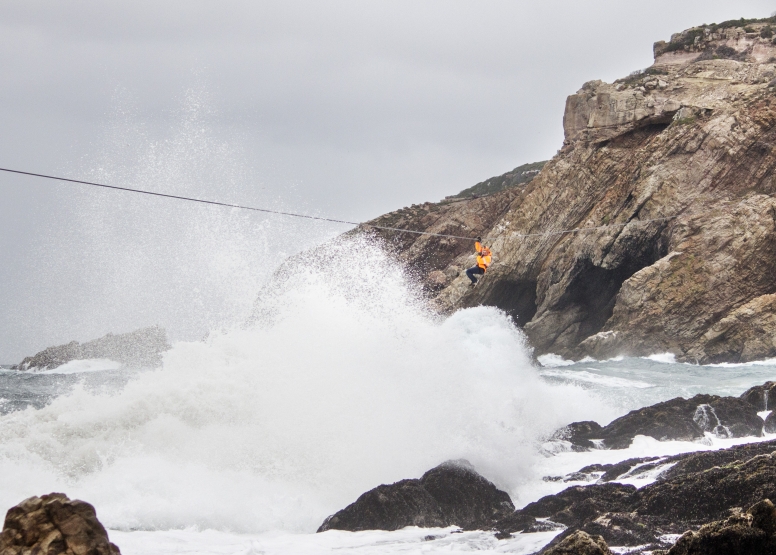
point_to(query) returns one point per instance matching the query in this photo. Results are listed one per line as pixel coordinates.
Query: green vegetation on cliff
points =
(519, 176)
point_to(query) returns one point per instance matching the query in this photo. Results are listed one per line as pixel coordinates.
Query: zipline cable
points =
(306, 216)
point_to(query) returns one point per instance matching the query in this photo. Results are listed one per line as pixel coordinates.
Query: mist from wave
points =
(342, 382)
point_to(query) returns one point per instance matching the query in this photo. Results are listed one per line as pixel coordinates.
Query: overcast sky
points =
(343, 109)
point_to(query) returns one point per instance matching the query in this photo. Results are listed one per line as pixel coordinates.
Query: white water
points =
(344, 383)
(246, 441)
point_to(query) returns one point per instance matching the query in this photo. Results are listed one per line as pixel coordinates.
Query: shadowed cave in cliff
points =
(516, 298)
(594, 290)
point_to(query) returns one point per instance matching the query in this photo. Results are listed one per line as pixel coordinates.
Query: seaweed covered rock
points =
(52, 525)
(741, 534)
(579, 543)
(452, 493)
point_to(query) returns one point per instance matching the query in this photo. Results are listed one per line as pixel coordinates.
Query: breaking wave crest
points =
(342, 381)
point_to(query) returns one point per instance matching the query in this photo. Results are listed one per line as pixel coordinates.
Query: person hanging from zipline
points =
(484, 257)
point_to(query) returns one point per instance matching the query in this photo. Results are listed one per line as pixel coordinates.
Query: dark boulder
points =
(770, 423)
(579, 434)
(695, 488)
(685, 419)
(762, 397)
(453, 493)
(746, 533)
(677, 419)
(466, 498)
(53, 524)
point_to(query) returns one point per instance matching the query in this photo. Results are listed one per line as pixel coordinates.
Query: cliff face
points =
(692, 139)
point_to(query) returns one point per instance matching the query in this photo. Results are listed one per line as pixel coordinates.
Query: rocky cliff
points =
(689, 139)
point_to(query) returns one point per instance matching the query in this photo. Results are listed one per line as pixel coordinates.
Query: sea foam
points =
(342, 382)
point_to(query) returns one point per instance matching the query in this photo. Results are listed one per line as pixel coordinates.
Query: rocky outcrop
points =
(753, 531)
(762, 397)
(143, 347)
(670, 174)
(453, 493)
(53, 524)
(677, 419)
(580, 543)
(693, 489)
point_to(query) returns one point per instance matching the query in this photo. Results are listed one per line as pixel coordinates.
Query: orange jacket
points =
(483, 256)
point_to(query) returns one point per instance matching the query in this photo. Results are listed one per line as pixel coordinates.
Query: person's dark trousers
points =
(475, 270)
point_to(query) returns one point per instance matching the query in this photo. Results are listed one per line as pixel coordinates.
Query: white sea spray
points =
(344, 381)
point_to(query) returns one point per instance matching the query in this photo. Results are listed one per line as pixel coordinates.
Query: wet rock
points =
(578, 504)
(143, 347)
(770, 423)
(741, 534)
(452, 493)
(623, 529)
(691, 463)
(686, 420)
(53, 524)
(761, 396)
(695, 489)
(677, 419)
(709, 494)
(579, 543)
(579, 434)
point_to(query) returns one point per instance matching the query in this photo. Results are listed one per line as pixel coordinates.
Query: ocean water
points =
(244, 442)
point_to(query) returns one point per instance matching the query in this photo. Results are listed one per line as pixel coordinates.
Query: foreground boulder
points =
(453, 493)
(580, 543)
(741, 534)
(53, 524)
(140, 348)
(677, 419)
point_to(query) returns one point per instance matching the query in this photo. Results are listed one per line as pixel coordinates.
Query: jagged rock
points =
(741, 534)
(697, 150)
(452, 493)
(53, 524)
(143, 347)
(580, 543)
(710, 494)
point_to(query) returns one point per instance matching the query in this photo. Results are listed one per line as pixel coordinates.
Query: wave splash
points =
(343, 381)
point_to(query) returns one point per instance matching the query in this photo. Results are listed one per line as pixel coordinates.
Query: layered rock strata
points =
(669, 173)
